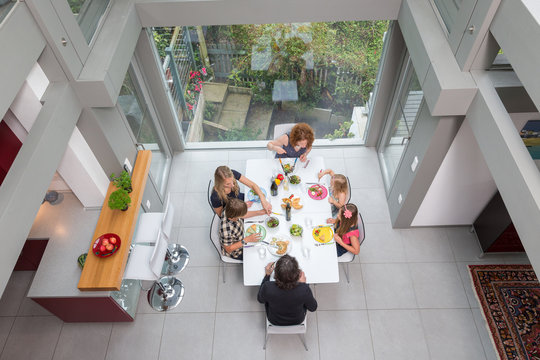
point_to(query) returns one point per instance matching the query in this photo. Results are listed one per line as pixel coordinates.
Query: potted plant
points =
(119, 199)
(122, 181)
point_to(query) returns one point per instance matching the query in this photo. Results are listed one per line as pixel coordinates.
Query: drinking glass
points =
(309, 222)
(306, 251)
(262, 252)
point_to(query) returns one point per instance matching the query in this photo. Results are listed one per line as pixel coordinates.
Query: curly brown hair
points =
(286, 272)
(302, 131)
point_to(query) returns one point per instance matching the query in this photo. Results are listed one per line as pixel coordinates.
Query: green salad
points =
(296, 230)
(272, 222)
(294, 179)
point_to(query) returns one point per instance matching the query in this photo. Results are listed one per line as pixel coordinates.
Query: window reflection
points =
(88, 13)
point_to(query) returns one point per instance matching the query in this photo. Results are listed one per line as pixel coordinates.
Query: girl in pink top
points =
(346, 232)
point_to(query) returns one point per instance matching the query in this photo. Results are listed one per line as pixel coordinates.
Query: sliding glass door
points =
(400, 122)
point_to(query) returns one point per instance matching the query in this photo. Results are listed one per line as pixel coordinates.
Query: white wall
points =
(463, 185)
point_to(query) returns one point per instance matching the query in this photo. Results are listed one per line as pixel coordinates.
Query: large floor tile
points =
(359, 151)
(233, 295)
(238, 165)
(438, 285)
(196, 211)
(342, 295)
(33, 337)
(382, 244)
(397, 334)
(201, 156)
(178, 178)
(364, 173)
(464, 244)
(83, 341)
(197, 241)
(6, 322)
(137, 340)
(372, 205)
(284, 347)
(327, 153)
(15, 292)
(31, 308)
(426, 245)
(451, 334)
(344, 335)
(337, 165)
(199, 173)
(239, 336)
(200, 289)
(481, 326)
(388, 286)
(187, 336)
(247, 154)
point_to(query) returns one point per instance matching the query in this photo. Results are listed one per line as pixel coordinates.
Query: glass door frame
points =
(403, 81)
(140, 85)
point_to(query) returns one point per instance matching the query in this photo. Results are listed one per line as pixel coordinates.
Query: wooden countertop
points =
(106, 273)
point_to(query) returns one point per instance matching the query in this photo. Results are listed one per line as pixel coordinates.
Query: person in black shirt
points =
(226, 186)
(288, 297)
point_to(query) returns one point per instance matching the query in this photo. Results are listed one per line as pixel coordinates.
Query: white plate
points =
(272, 249)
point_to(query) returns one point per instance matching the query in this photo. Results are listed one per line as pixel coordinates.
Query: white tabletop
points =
(318, 261)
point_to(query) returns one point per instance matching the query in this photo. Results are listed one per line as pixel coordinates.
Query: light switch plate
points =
(414, 164)
(148, 204)
(127, 166)
(400, 199)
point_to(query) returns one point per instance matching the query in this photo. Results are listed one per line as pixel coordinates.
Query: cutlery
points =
(323, 226)
(253, 221)
(275, 213)
(267, 243)
(307, 162)
(321, 244)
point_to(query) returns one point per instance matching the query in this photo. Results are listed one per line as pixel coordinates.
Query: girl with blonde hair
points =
(339, 190)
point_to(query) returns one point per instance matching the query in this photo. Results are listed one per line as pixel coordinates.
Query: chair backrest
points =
(209, 194)
(361, 228)
(287, 329)
(214, 233)
(168, 217)
(158, 256)
(349, 189)
(281, 129)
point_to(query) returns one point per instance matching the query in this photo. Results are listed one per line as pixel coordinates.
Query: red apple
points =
(112, 240)
(105, 242)
(102, 248)
(110, 247)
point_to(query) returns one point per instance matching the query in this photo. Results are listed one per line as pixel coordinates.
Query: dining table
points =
(318, 259)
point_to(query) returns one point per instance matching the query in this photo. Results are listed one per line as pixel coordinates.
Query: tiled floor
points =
(409, 298)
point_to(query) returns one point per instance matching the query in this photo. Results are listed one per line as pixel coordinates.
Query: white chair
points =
(281, 129)
(145, 263)
(209, 193)
(299, 329)
(214, 237)
(348, 257)
(350, 190)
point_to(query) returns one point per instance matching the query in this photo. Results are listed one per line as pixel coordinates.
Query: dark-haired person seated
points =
(288, 297)
(294, 144)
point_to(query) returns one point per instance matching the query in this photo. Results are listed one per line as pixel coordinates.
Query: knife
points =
(253, 221)
(307, 163)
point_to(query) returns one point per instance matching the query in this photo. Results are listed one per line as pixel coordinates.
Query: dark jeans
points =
(340, 250)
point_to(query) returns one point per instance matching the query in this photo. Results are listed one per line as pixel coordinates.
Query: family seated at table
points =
(231, 229)
(286, 299)
(226, 187)
(294, 144)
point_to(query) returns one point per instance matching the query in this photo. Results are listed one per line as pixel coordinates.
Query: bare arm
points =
(277, 145)
(354, 247)
(257, 190)
(326, 172)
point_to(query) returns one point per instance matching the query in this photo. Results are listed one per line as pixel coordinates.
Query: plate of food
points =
(106, 245)
(288, 168)
(279, 246)
(317, 192)
(252, 195)
(323, 234)
(256, 228)
(272, 222)
(296, 230)
(295, 179)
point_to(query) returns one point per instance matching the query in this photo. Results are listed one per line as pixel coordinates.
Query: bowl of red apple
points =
(106, 245)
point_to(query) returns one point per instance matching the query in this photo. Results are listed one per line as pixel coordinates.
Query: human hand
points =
(303, 157)
(302, 277)
(330, 200)
(338, 239)
(320, 175)
(269, 268)
(267, 207)
(253, 237)
(280, 150)
(330, 221)
(249, 203)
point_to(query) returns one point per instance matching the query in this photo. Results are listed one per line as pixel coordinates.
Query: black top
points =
(286, 307)
(215, 199)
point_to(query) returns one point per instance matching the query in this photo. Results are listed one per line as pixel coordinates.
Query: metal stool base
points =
(166, 293)
(176, 260)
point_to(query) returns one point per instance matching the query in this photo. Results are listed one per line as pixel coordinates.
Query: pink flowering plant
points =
(194, 87)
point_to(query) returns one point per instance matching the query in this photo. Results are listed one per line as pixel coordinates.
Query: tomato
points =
(280, 177)
(110, 247)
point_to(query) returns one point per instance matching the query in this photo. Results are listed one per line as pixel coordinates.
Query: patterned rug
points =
(510, 299)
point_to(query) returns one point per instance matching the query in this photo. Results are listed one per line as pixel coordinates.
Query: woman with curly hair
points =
(294, 144)
(288, 297)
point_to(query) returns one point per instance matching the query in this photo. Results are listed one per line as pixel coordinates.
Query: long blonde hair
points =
(222, 173)
(340, 185)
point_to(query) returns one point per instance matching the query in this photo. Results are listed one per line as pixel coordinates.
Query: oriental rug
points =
(509, 296)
